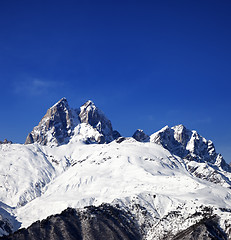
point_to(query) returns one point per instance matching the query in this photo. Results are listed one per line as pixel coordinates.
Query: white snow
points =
(84, 131)
(37, 181)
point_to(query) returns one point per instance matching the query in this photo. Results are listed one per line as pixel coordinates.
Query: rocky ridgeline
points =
(58, 125)
(186, 144)
(191, 147)
(140, 136)
(55, 127)
(6, 142)
(93, 116)
(61, 124)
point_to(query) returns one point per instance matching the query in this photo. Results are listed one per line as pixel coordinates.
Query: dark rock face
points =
(57, 126)
(95, 223)
(140, 136)
(175, 140)
(115, 134)
(189, 145)
(58, 121)
(6, 142)
(207, 229)
(8, 222)
(209, 173)
(120, 139)
(90, 114)
(5, 227)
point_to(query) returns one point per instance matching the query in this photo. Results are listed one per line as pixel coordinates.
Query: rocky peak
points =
(181, 134)
(93, 116)
(170, 139)
(140, 136)
(188, 144)
(90, 114)
(6, 142)
(56, 126)
(61, 102)
(61, 123)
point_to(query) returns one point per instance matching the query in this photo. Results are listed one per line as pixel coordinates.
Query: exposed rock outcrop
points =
(140, 136)
(206, 229)
(58, 125)
(189, 145)
(192, 147)
(6, 142)
(93, 116)
(55, 127)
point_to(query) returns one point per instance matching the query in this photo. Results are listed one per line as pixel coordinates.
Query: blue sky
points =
(146, 64)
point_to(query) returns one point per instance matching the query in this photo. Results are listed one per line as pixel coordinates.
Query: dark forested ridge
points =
(96, 223)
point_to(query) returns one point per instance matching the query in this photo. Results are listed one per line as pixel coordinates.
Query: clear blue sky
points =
(146, 64)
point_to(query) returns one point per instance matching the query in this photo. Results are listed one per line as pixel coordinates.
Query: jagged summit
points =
(93, 116)
(62, 123)
(6, 142)
(89, 113)
(62, 101)
(89, 103)
(56, 126)
(140, 136)
(185, 143)
(188, 144)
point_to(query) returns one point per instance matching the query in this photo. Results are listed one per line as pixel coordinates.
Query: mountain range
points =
(78, 178)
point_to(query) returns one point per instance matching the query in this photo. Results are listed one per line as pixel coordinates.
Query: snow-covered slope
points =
(142, 178)
(199, 154)
(166, 183)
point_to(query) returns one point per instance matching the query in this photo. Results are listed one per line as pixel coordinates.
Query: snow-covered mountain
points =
(152, 187)
(193, 148)
(62, 124)
(188, 144)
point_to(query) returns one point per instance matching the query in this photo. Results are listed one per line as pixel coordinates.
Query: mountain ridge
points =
(58, 125)
(165, 182)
